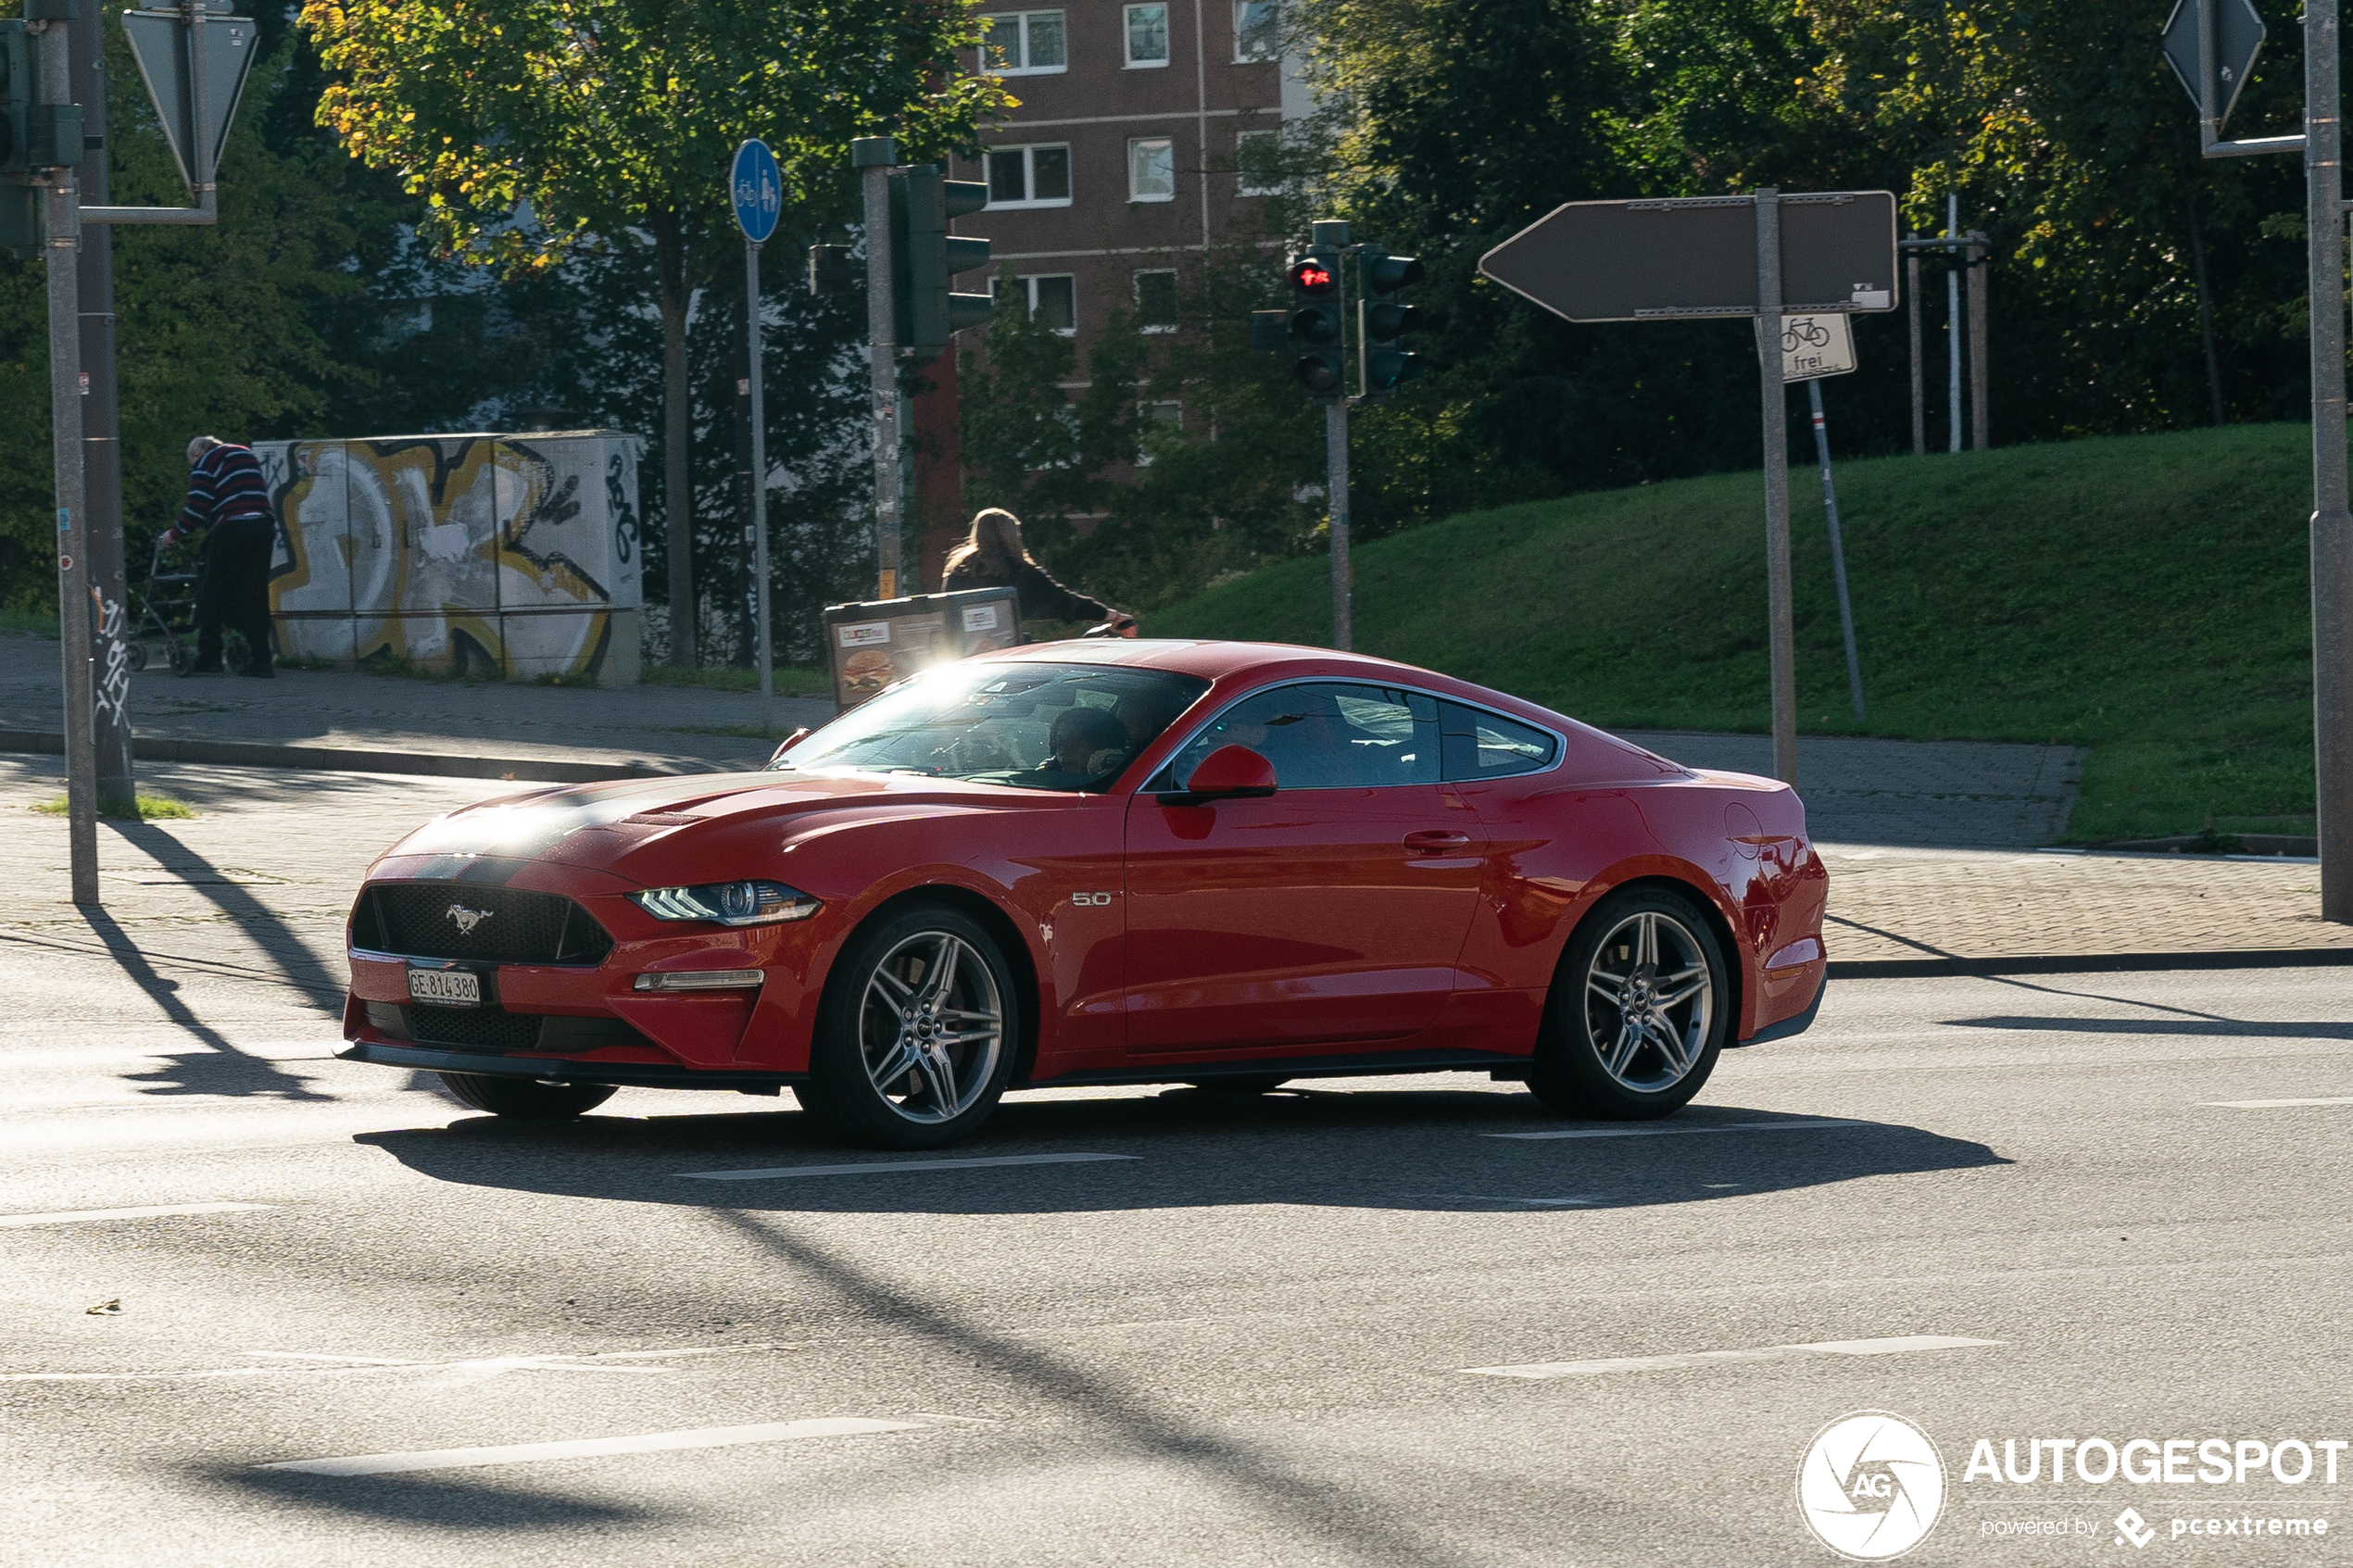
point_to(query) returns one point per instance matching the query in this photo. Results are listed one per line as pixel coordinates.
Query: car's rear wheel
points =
(525, 1099)
(1639, 1010)
(915, 1035)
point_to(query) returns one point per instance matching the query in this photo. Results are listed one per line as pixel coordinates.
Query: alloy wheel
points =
(1650, 1001)
(931, 1026)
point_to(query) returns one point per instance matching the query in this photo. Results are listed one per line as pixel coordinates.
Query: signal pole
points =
(1336, 462)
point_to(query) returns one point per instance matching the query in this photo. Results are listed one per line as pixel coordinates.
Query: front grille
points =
(480, 1029)
(509, 924)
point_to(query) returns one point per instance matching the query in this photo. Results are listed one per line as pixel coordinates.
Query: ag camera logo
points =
(1870, 1486)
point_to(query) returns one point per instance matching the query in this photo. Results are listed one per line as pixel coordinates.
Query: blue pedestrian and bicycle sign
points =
(756, 190)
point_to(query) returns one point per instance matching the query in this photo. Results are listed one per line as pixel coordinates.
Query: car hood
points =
(598, 825)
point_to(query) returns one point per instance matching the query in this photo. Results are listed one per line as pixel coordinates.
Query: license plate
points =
(446, 987)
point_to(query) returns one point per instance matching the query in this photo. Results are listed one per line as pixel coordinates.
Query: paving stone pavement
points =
(238, 912)
(662, 727)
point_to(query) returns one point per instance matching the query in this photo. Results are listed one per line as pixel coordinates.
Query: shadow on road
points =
(220, 1068)
(2243, 1028)
(414, 1499)
(1387, 1149)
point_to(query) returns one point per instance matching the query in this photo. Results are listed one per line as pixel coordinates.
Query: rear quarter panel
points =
(1560, 844)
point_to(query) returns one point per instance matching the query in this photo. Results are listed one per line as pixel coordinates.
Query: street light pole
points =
(873, 158)
(2331, 523)
(61, 232)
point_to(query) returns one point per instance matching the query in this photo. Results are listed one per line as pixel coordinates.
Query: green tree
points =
(528, 125)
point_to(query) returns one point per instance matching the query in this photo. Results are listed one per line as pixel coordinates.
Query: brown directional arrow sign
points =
(1652, 260)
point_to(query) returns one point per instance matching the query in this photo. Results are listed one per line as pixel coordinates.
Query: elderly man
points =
(227, 496)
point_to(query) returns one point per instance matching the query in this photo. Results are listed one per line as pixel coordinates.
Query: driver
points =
(1086, 743)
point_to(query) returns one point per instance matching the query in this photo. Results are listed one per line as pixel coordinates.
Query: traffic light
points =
(1381, 320)
(829, 270)
(1318, 334)
(924, 257)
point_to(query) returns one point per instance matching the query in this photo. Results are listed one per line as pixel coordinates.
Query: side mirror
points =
(787, 744)
(1231, 772)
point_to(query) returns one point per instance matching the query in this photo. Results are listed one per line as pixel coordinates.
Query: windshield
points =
(1033, 726)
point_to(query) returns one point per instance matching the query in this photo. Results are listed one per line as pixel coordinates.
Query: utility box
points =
(874, 644)
(512, 557)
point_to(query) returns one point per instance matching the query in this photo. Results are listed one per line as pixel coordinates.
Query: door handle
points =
(1432, 841)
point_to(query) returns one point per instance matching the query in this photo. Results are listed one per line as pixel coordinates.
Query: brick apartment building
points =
(1119, 168)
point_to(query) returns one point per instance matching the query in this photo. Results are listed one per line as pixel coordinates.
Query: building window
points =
(1157, 300)
(1258, 163)
(1024, 44)
(1151, 169)
(1157, 424)
(1054, 299)
(1029, 176)
(1147, 36)
(1258, 31)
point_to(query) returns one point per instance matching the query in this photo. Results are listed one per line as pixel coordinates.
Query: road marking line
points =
(74, 1216)
(2275, 1104)
(1706, 1127)
(586, 1448)
(781, 1171)
(1888, 1347)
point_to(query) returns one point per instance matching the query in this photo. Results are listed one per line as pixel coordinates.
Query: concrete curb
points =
(2090, 964)
(346, 760)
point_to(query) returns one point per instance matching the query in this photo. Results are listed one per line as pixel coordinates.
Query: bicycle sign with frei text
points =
(1814, 346)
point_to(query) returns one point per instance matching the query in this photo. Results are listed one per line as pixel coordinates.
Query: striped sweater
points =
(225, 485)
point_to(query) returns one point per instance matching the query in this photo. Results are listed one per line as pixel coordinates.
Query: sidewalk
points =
(657, 729)
(236, 917)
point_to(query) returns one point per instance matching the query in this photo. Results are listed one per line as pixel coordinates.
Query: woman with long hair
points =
(992, 556)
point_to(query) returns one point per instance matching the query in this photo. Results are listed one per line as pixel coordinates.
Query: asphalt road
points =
(1244, 1333)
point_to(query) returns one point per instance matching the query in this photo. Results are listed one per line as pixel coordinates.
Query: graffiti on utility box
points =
(511, 557)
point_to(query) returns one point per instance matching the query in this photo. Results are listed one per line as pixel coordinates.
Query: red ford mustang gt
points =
(1226, 864)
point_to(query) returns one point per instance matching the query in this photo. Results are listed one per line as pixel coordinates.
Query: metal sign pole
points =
(873, 156)
(1920, 397)
(1838, 547)
(2331, 523)
(1953, 322)
(1336, 462)
(62, 234)
(1782, 632)
(766, 629)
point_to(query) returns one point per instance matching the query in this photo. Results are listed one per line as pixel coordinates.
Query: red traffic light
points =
(1312, 276)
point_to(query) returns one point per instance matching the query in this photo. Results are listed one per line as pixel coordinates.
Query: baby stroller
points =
(167, 605)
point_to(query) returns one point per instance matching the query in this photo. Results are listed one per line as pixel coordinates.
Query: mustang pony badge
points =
(466, 919)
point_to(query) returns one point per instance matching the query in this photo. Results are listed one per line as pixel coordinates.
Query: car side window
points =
(1479, 745)
(1326, 734)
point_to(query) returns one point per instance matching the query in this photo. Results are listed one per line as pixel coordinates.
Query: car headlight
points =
(729, 903)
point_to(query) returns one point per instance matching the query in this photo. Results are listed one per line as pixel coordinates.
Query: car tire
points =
(525, 1099)
(1256, 1084)
(916, 1034)
(1639, 1009)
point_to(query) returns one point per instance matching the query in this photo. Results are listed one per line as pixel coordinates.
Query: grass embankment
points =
(2145, 597)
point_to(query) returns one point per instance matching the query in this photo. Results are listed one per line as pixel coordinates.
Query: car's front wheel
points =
(524, 1099)
(1639, 1009)
(915, 1035)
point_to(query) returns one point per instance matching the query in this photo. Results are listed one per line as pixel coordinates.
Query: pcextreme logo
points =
(1870, 1486)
